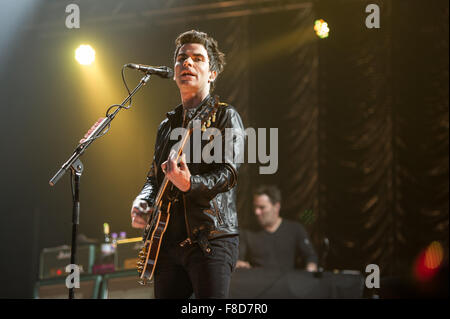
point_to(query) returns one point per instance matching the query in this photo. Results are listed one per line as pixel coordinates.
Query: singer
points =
(200, 246)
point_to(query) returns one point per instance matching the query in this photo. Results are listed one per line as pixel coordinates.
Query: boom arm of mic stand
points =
(82, 147)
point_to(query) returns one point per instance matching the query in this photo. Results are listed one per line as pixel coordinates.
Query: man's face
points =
(192, 68)
(266, 212)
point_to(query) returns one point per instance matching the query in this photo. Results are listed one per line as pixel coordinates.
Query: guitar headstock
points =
(207, 115)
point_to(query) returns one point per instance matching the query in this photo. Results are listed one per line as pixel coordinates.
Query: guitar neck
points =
(166, 181)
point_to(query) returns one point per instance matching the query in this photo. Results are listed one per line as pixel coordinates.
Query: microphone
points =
(162, 71)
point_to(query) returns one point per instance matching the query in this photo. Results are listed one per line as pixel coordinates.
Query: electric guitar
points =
(160, 211)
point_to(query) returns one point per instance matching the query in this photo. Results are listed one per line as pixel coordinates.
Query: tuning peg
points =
(203, 127)
(214, 117)
(208, 123)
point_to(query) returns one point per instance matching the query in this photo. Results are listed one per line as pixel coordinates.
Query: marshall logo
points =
(63, 255)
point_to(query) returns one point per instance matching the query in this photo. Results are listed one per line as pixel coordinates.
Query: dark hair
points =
(272, 191)
(216, 57)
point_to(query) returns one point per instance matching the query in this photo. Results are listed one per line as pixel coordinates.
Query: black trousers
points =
(181, 271)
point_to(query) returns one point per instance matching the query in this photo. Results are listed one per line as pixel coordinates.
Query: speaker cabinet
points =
(53, 261)
(124, 285)
(56, 288)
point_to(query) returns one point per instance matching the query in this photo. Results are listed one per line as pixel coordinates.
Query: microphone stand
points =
(76, 169)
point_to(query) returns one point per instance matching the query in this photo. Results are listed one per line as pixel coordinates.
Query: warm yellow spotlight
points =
(321, 28)
(434, 255)
(85, 54)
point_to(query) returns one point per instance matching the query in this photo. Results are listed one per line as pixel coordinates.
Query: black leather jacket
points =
(210, 204)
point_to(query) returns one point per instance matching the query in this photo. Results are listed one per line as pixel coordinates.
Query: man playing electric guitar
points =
(199, 247)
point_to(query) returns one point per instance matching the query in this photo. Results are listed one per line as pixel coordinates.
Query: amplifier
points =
(124, 285)
(127, 252)
(55, 288)
(54, 260)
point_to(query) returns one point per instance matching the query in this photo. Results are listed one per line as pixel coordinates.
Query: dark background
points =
(362, 120)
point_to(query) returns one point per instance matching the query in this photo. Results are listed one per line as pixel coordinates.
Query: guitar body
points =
(152, 237)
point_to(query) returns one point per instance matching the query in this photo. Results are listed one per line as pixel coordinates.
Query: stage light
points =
(85, 54)
(428, 262)
(434, 255)
(321, 28)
